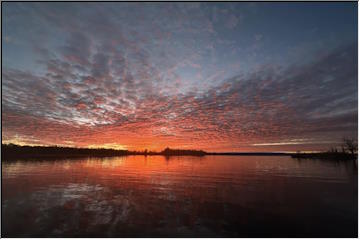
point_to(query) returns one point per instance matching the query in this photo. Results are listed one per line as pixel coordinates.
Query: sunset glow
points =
(211, 76)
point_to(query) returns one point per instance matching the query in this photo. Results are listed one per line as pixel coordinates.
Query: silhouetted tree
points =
(333, 150)
(11, 151)
(348, 151)
(351, 145)
(179, 152)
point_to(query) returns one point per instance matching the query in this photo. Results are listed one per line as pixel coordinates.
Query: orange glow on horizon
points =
(156, 147)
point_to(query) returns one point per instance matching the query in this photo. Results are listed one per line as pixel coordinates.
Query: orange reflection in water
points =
(177, 196)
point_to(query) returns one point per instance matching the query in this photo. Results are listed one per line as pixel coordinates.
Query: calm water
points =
(212, 196)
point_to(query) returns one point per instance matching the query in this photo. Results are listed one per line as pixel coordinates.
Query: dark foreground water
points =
(212, 196)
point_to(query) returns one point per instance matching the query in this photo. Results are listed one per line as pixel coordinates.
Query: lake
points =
(155, 196)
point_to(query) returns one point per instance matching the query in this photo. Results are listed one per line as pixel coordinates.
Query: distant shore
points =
(325, 155)
(12, 152)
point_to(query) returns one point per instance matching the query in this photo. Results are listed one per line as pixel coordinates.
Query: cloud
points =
(112, 83)
(265, 105)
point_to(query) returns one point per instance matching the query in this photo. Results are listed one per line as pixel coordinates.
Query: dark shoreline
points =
(250, 153)
(326, 156)
(11, 152)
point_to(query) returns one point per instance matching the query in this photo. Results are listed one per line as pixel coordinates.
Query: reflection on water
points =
(212, 196)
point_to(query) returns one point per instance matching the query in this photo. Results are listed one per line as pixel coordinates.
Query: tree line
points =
(12, 151)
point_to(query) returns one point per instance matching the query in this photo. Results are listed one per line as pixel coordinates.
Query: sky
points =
(231, 77)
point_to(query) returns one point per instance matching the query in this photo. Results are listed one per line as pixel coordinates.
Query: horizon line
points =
(153, 151)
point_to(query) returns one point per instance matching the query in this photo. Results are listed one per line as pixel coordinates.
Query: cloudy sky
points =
(211, 76)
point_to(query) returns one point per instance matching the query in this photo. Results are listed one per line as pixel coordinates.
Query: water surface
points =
(154, 196)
